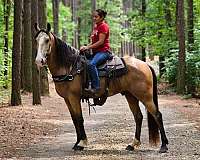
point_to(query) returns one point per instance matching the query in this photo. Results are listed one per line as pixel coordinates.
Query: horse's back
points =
(136, 66)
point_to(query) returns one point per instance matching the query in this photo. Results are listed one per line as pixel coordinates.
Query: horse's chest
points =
(62, 89)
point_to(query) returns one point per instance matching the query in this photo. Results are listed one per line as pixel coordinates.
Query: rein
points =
(70, 76)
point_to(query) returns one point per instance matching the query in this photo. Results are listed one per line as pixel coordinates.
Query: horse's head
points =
(43, 40)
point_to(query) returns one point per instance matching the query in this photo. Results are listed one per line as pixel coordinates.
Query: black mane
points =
(65, 54)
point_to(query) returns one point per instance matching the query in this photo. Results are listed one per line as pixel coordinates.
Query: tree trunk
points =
(16, 53)
(64, 34)
(65, 2)
(181, 55)
(190, 25)
(55, 4)
(74, 19)
(167, 11)
(35, 71)
(6, 4)
(143, 30)
(22, 53)
(79, 32)
(27, 58)
(143, 54)
(191, 85)
(93, 9)
(168, 20)
(42, 19)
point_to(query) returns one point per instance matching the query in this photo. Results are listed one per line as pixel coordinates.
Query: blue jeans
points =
(99, 58)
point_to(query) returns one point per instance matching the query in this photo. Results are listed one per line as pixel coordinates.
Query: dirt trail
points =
(109, 131)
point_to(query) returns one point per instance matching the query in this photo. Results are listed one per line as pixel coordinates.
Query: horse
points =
(138, 84)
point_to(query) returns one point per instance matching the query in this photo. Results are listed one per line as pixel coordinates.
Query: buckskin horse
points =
(138, 84)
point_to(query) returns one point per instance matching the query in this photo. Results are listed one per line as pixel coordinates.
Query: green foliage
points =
(152, 31)
(85, 15)
(65, 20)
(192, 68)
(5, 81)
(171, 64)
(158, 34)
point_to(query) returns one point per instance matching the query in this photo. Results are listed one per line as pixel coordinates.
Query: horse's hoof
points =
(78, 148)
(130, 148)
(163, 149)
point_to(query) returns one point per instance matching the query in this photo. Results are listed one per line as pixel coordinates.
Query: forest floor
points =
(46, 131)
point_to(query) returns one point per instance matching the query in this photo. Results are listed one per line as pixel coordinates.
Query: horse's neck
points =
(55, 69)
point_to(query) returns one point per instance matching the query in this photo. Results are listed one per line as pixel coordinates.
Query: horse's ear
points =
(36, 27)
(48, 27)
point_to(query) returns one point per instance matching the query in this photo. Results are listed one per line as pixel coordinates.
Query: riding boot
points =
(92, 91)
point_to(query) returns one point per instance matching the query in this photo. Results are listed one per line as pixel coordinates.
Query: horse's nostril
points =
(42, 61)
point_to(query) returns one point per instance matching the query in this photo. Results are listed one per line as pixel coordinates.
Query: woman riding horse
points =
(138, 84)
(100, 46)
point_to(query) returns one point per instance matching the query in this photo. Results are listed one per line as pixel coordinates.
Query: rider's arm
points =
(102, 37)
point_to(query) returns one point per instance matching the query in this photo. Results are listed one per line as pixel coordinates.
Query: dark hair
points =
(101, 13)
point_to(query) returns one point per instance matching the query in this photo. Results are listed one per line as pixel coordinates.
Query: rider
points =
(100, 46)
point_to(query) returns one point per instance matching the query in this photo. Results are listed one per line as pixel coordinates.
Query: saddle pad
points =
(112, 68)
(116, 63)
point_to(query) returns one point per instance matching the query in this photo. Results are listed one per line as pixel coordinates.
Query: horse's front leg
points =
(74, 106)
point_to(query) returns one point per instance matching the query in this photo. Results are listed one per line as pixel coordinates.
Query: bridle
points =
(60, 78)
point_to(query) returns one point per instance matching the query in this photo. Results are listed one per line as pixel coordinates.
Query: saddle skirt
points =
(112, 68)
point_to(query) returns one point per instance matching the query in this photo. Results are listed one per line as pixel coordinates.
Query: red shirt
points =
(101, 28)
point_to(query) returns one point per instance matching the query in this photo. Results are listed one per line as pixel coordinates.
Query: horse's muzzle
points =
(40, 63)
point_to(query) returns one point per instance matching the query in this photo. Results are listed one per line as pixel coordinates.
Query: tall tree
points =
(55, 5)
(143, 29)
(27, 56)
(16, 53)
(64, 30)
(168, 19)
(93, 9)
(127, 6)
(6, 4)
(190, 25)
(65, 2)
(168, 15)
(190, 21)
(22, 53)
(35, 70)
(74, 4)
(42, 19)
(181, 55)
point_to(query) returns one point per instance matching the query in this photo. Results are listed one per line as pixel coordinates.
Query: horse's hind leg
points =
(134, 106)
(158, 118)
(76, 114)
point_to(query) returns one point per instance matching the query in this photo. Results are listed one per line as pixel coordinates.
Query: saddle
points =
(111, 69)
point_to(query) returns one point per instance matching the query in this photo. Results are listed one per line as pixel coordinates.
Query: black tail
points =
(153, 127)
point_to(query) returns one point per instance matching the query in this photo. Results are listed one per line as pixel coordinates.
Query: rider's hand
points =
(83, 48)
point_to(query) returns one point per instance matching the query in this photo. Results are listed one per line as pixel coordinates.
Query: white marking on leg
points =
(83, 143)
(136, 143)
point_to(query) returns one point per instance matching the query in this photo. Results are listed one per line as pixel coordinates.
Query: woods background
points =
(169, 29)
